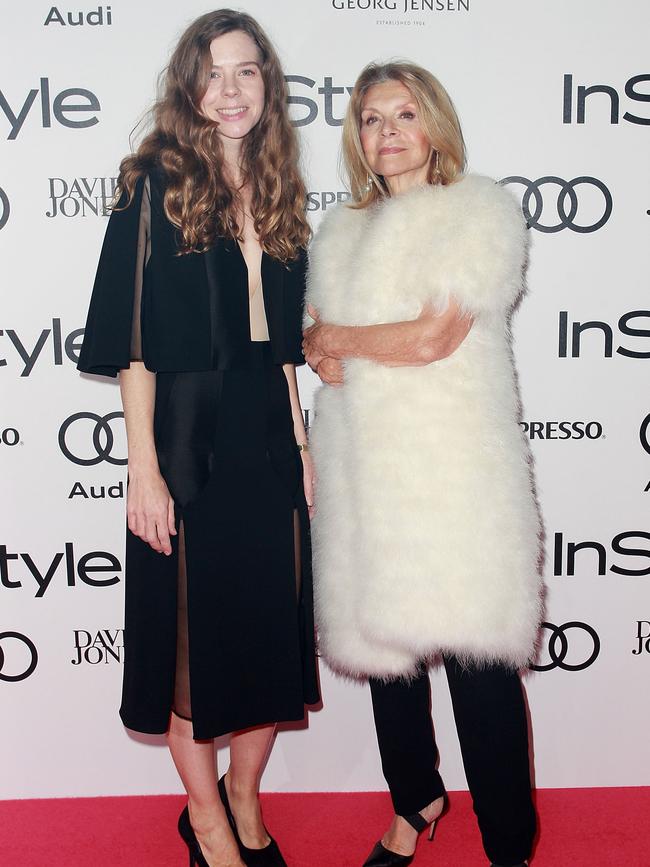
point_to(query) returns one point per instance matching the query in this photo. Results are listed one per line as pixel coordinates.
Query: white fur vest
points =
(426, 530)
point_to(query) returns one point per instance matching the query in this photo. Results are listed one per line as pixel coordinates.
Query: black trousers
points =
(491, 722)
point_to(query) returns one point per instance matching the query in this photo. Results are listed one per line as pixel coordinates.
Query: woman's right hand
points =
(150, 509)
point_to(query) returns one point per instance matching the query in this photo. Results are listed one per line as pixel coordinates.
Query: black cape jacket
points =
(193, 308)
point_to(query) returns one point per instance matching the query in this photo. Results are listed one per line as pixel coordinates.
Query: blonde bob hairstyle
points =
(438, 120)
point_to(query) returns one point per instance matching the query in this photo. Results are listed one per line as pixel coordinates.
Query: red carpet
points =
(578, 828)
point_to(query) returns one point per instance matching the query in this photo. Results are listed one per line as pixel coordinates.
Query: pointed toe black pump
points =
(185, 829)
(383, 857)
(269, 856)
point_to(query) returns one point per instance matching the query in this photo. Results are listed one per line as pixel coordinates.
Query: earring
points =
(436, 169)
(367, 186)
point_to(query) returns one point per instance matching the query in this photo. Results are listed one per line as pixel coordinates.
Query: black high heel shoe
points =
(269, 856)
(383, 857)
(185, 829)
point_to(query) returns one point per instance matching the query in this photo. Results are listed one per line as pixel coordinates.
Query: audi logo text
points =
(16, 669)
(558, 647)
(567, 193)
(102, 439)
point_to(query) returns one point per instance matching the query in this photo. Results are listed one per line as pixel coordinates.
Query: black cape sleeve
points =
(107, 344)
(294, 300)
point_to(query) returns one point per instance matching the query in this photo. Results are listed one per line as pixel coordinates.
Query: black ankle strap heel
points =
(418, 822)
(383, 857)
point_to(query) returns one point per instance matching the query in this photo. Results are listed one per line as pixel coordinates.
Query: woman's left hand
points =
(308, 480)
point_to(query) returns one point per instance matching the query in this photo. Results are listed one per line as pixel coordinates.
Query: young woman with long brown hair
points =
(197, 304)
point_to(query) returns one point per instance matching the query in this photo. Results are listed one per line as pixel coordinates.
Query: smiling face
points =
(393, 141)
(235, 95)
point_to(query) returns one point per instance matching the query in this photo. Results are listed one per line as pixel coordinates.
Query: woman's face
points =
(391, 136)
(235, 95)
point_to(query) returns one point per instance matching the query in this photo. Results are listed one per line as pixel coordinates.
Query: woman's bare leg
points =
(195, 763)
(248, 752)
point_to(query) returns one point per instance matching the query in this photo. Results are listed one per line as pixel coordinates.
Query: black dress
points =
(222, 630)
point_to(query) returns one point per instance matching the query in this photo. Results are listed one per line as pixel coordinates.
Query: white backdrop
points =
(70, 94)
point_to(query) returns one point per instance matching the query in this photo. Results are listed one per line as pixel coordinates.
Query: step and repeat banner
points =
(554, 99)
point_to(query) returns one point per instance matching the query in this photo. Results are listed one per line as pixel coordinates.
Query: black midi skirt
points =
(229, 614)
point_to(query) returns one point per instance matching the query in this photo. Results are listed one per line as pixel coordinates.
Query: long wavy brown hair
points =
(438, 120)
(187, 146)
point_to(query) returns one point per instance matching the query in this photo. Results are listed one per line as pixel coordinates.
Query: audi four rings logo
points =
(102, 439)
(566, 195)
(644, 433)
(558, 647)
(23, 658)
(4, 208)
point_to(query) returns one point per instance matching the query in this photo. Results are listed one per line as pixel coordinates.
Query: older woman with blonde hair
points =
(426, 529)
(197, 305)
